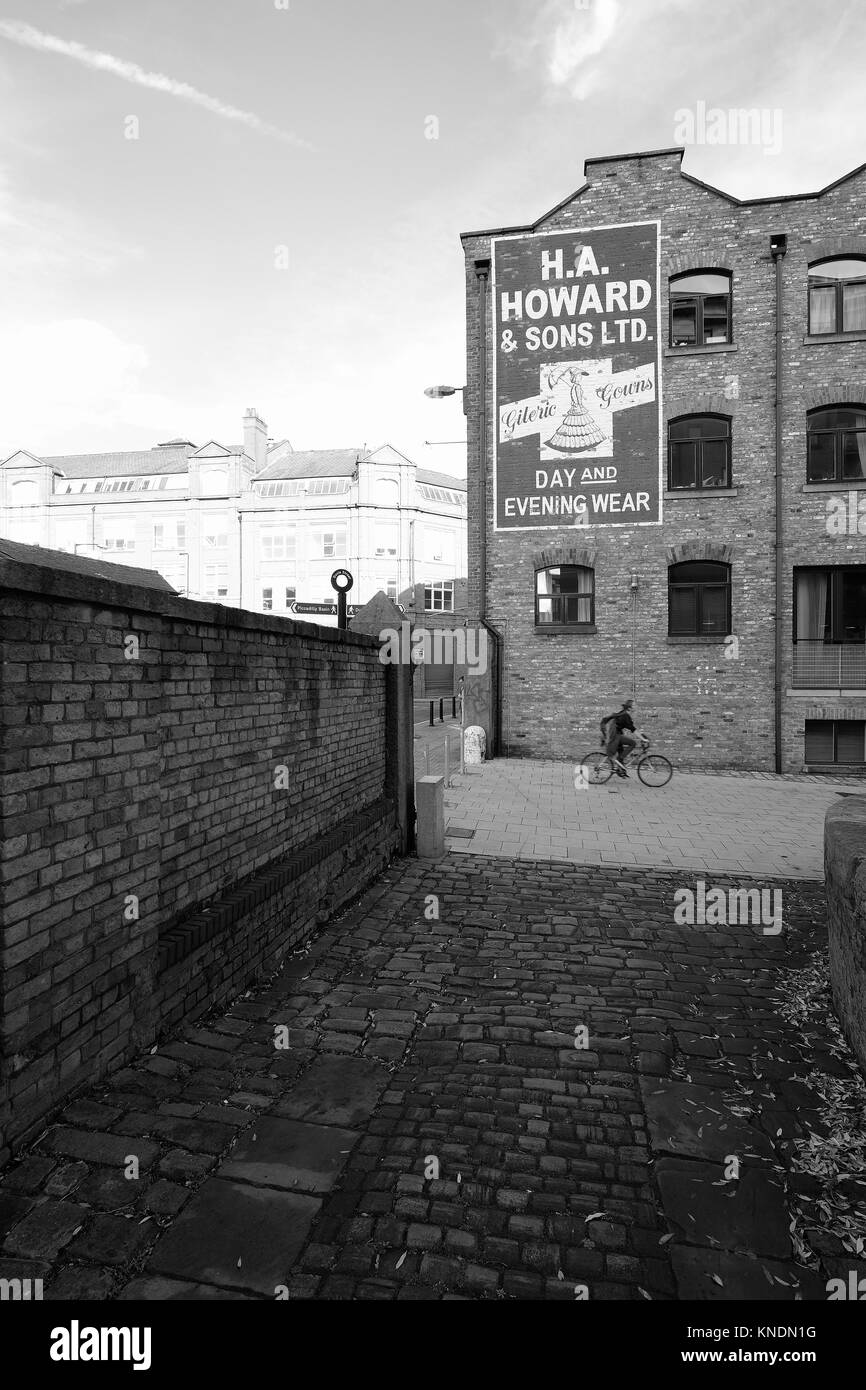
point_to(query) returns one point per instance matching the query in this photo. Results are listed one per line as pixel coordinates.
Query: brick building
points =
(256, 525)
(652, 519)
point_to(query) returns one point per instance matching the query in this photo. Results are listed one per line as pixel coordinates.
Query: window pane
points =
(683, 611)
(701, 284)
(854, 454)
(838, 269)
(854, 307)
(715, 320)
(545, 610)
(714, 609)
(811, 595)
(853, 605)
(699, 572)
(714, 468)
(822, 458)
(819, 741)
(544, 581)
(684, 324)
(822, 310)
(682, 469)
(849, 741)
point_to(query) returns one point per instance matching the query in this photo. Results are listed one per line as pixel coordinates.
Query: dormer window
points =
(700, 309)
(214, 482)
(837, 296)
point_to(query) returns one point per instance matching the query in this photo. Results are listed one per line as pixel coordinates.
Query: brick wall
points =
(172, 772)
(707, 710)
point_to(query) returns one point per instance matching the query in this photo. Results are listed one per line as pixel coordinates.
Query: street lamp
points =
(436, 393)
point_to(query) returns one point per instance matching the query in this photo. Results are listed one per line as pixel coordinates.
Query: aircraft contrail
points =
(28, 37)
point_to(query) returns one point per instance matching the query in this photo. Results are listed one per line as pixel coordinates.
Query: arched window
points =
(837, 445)
(565, 597)
(24, 493)
(837, 296)
(700, 308)
(699, 452)
(386, 492)
(214, 482)
(699, 599)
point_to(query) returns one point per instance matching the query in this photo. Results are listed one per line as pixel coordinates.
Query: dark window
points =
(830, 604)
(700, 309)
(699, 599)
(841, 741)
(837, 445)
(837, 296)
(565, 597)
(699, 452)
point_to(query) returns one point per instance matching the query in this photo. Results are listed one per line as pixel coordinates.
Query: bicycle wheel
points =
(654, 770)
(596, 768)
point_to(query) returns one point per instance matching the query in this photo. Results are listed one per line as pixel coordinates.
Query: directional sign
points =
(322, 608)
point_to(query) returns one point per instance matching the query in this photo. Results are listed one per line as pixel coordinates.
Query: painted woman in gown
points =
(577, 430)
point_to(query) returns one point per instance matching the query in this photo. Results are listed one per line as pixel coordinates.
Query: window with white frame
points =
(386, 540)
(169, 535)
(331, 544)
(291, 594)
(438, 547)
(278, 545)
(118, 536)
(268, 598)
(215, 581)
(439, 598)
(215, 532)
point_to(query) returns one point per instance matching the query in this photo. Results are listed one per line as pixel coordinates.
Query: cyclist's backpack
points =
(607, 729)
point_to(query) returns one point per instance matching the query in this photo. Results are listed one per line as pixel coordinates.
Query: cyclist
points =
(616, 731)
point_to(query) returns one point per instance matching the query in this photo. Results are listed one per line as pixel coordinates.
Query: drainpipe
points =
(778, 250)
(482, 274)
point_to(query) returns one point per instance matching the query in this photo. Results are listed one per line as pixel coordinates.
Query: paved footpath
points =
(438, 1123)
(742, 823)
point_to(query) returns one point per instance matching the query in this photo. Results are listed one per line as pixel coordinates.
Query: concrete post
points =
(430, 812)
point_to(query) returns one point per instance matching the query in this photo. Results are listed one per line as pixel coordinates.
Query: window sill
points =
(700, 351)
(817, 339)
(849, 485)
(564, 629)
(682, 640)
(675, 494)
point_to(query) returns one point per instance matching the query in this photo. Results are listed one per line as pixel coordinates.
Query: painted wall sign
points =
(577, 378)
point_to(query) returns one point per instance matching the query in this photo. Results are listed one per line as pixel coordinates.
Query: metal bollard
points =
(431, 714)
(453, 706)
(426, 759)
(441, 710)
(447, 764)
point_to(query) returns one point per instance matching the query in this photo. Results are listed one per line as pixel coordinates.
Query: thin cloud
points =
(28, 37)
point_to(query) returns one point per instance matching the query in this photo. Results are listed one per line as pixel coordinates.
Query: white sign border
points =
(559, 232)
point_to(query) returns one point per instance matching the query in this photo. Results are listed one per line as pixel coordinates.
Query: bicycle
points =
(653, 769)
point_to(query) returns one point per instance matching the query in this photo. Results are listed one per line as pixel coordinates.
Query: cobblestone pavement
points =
(417, 1046)
(741, 823)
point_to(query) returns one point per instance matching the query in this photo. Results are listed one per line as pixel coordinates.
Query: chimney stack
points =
(256, 438)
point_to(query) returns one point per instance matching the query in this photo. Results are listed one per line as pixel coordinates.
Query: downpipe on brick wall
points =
(482, 274)
(778, 250)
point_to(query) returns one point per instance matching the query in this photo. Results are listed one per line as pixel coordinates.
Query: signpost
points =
(577, 378)
(323, 608)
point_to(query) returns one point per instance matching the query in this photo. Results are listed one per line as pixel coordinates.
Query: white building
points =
(253, 525)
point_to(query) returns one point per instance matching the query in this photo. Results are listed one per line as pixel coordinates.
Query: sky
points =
(213, 205)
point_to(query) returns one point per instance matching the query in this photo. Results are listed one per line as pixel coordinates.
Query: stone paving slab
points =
(288, 1154)
(717, 1276)
(703, 1208)
(468, 1140)
(236, 1236)
(340, 1090)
